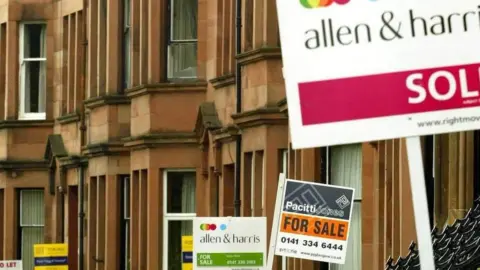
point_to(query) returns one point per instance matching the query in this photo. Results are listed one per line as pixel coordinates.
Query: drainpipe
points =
(83, 87)
(238, 83)
(81, 215)
(83, 128)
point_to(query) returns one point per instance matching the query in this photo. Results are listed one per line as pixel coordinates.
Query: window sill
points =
(223, 81)
(25, 123)
(68, 118)
(32, 116)
(260, 54)
(112, 99)
(167, 88)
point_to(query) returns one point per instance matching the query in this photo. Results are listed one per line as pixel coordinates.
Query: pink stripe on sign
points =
(388, 94)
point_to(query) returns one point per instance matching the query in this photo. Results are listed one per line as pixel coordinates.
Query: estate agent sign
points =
(226, 243)
(314, 221)
(381, 68)
(11, 265)
(187, 252)
(50, 256)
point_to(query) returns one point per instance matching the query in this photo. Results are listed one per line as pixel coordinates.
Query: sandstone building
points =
(121, 121)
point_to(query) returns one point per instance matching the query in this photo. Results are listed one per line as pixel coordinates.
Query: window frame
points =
(20, 226)
(167, 217)
(125, 219)
(171, 42)
(22, 115)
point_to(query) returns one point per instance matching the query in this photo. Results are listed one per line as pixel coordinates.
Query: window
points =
(476, 162)
(126, 44)
(125, 219)
(32, 220)
(258, 184)
(182, 41)
(429, 171)
(32, 71)
(179, 211)
(345, 167)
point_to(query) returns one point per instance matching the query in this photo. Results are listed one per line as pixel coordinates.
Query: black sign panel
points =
(318, 199)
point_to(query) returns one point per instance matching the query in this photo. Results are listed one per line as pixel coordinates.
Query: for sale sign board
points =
(364, 70)
(228, 243)
(11, 265)
(187, 252)
(314, 221)
(50, 256)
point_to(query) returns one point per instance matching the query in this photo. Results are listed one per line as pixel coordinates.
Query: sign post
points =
(226, 243)
(276, 220)
(360, 71)
(11, 265)
(420, 203)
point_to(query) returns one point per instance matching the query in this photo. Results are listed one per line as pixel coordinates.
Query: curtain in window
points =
(183, 56)
(32, 220)
(346, 170)
(188, 200)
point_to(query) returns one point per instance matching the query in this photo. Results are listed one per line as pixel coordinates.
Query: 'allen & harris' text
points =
(329, 34)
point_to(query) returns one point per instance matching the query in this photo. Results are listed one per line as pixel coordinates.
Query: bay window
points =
(182, 40)
(32, 79)
(179, 212)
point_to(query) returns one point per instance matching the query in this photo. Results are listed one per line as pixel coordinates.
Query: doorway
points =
(73, 228)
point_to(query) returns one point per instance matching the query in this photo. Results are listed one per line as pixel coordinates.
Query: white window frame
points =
(172, 41)
(22, 115)
(167, 217)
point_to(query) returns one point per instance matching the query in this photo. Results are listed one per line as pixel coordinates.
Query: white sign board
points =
(365, 70)
(11, 265)
(227, 243)
(314, 221)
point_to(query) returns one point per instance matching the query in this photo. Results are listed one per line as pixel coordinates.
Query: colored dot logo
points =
(321, 3)
(208, 227)
(212, 227)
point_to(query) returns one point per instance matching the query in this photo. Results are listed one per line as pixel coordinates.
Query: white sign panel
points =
(11, 265)
(365, 70)
(228, 243)
(314, 221)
